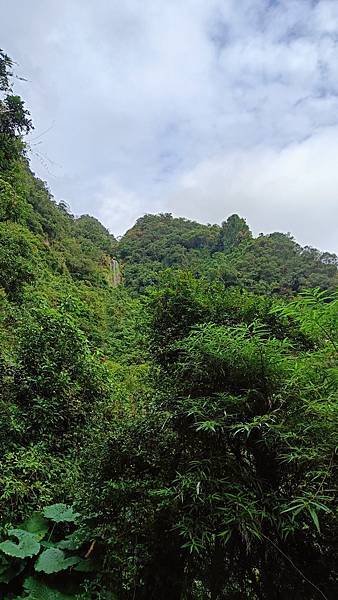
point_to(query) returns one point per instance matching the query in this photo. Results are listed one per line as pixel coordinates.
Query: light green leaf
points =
(54, 560)
(26, 547)
(60, 513)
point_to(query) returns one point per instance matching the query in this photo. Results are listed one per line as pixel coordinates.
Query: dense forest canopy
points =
(272, 263)
(173, 437)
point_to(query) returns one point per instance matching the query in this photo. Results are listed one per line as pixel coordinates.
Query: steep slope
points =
(80, 249)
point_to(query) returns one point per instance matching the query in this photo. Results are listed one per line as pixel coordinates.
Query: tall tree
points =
(234, 231)
(14, 118)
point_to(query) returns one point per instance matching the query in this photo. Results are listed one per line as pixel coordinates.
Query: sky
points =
(202, 108)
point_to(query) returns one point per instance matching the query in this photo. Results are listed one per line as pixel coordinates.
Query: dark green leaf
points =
(54, 560)
(36, 524)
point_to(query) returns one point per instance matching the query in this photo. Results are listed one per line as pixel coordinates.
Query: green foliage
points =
(277, 264)
(234, 232)
(157, 242)
(12, 207)
(89, 228)
(37, 525)
(33, 555)
(17, 258)
(60, 513)
(58, 377)
(6, 66)
(53, 560)
(14, 118)
(37, 590)
(170, 436)
(268, 264)
(26, 546)
(240, 477)
(316, 312)
(31, 475)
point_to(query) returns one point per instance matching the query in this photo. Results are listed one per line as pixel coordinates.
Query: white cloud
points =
(326, 16)
(294, 189)
(116, 207)
(144, 96)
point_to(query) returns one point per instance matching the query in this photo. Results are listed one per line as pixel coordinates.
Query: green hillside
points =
(271, 264)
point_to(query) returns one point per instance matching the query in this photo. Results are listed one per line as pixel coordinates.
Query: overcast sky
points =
(197, 107)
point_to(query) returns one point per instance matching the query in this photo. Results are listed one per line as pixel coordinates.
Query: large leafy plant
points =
(46, 557)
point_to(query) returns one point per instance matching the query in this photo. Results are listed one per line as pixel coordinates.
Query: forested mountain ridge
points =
(173, 437)
(272, 263)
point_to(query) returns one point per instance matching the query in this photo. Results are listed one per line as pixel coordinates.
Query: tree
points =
(14, 118)
(223, 483)
(6, 65)
(17, 258)
(234, 231)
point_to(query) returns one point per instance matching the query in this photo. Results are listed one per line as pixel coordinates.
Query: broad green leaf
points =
(60, 513)
(37, 590)
(36, 524)
(54, 560)
(26, 547)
